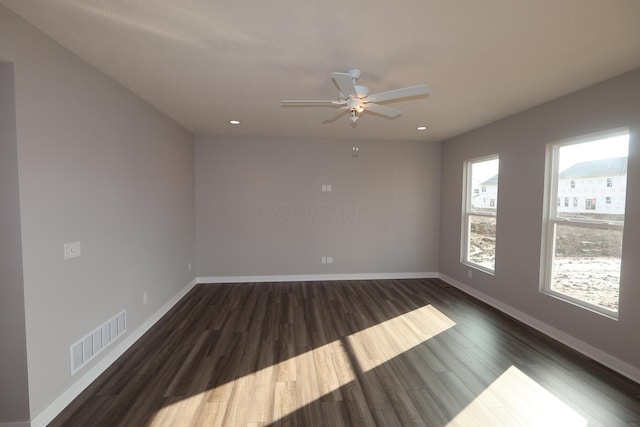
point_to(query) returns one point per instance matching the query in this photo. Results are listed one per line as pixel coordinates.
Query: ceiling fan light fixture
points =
(356, 99)
(234, 122)
(421, 128)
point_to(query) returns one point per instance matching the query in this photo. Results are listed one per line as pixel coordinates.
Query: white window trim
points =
(467, 210)
(551, 219)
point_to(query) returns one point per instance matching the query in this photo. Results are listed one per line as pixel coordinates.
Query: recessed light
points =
(421, 128)
(234, 122)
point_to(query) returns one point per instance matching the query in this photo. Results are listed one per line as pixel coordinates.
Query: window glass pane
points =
(592, 173)
(479, 227)
(586, 264)
(482, 241)
(484, 177)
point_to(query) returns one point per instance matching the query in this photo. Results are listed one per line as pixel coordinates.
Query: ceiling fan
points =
(356, 99)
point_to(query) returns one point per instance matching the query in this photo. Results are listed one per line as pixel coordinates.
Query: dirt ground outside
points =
(594, 280)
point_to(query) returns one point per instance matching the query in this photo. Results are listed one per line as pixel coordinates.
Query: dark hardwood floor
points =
(356, 353)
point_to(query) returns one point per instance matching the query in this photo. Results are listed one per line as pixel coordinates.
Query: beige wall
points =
(520, 141)
(14, 400)
(260, 209)
(97, 165)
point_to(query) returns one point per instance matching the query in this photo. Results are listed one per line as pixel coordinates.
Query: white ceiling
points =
(204, 62)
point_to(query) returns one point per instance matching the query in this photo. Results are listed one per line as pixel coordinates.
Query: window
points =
(575, 202)
(590, 204)
(566, 201)
(476, 191)
(480, 214)
(609, 182)
(583, 247)
(573, 184)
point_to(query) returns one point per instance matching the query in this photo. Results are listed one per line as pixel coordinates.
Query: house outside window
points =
(478, 246)
(585, 237)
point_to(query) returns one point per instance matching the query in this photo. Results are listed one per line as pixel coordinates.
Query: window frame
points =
(468, 210)
(551, 219)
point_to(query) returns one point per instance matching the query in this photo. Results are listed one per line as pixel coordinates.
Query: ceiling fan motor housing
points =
(362, 91)
(355, 73)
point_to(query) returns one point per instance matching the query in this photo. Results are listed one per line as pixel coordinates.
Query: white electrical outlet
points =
(189, 266)
(71, 250)
(328, 187)
(470, 274)
(145, 297)
(324, 259)
(329, 260)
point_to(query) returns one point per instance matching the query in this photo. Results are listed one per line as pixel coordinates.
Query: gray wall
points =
(520, 141)
(260, 209)
(98, 165)
(14, 400)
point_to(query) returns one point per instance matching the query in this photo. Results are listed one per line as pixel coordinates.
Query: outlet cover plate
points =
(71, 250)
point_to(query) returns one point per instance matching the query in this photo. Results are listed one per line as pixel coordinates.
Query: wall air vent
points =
(85, 349)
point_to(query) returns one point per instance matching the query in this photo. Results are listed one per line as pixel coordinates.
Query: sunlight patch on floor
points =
(276, 391)
(382, 342)
(268, 394)
(516, 399)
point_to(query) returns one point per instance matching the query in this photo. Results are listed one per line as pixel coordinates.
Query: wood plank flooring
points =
(350, 353)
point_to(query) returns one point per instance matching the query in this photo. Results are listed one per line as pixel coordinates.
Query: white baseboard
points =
(315, 277)
(51, 411)
(588, 350)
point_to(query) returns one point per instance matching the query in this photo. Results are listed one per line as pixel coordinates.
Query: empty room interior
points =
(329, 213)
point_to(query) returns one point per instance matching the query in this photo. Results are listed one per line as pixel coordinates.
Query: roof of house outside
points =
(491, 181)
(596, 168)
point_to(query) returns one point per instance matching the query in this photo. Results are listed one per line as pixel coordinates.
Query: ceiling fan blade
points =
(398, 93)
(311, 101)
(383, 110)
(331, 117)
(345, 84)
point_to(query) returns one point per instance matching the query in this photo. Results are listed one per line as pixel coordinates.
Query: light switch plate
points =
(71, 250)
